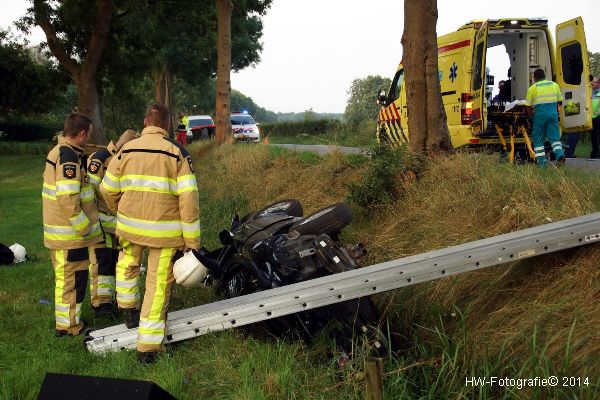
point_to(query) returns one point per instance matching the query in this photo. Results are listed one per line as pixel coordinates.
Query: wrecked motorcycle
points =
(277, 246)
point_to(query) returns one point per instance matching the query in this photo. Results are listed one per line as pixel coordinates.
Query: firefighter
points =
(103, 256)
(543, 97)
(70, 222)
(152, 188)
(182, 129)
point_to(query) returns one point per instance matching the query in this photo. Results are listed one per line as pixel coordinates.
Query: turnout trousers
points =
(70, 275)
(103, 260)
(159, 283)
(545, 125)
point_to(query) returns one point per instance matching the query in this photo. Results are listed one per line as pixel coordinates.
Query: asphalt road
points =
(582, 163)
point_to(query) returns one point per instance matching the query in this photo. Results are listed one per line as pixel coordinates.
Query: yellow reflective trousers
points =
(71, 275)
(159, 283)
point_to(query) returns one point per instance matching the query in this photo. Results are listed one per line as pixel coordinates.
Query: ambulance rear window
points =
(572, 64)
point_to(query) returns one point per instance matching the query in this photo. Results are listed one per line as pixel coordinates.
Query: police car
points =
(244, 128)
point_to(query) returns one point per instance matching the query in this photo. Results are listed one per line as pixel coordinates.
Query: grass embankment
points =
(537, 317)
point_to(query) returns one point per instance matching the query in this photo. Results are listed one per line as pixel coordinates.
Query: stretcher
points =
(515, 124)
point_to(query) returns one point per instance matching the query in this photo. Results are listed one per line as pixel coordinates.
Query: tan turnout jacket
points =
(69, 210)
(151, 186)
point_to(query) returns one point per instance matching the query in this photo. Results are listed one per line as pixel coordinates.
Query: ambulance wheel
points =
(330, 220)
(291, 207)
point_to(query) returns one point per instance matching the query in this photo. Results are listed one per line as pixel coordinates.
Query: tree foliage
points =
(29, 84)
(167, 40)
(362, 101)
(594, 63)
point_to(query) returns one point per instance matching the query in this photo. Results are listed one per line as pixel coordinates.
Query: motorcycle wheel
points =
(330, 220)
(237, 280)
(291, 207)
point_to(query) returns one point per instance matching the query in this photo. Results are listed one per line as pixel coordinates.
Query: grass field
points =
(527, 319)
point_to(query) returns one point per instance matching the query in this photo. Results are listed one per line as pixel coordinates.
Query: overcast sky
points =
(313, 49)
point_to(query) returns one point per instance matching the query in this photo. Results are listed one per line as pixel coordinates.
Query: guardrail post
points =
(374, 378)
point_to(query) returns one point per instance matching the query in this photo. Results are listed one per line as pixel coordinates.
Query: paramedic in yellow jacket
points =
(103, 256)
(151, 186)
(70, 222)
(543, 98)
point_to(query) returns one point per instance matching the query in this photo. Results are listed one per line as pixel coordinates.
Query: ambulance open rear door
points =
(572, 75)
(479, 79)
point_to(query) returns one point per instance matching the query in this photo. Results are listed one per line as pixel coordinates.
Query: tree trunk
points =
(222, 106)
(169, 98)
(162, 80)
(158, 79)
(427, 124)
(89, 104)
(83, 73)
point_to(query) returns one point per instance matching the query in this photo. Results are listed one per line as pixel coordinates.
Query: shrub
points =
(28, 130)
(316, 127)
(386, 175)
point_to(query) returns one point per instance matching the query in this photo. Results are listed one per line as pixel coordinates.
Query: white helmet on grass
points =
(19, 252)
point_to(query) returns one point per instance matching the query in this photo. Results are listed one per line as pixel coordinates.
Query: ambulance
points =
(464, 80)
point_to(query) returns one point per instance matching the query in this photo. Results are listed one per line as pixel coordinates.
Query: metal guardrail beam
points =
(378, 278)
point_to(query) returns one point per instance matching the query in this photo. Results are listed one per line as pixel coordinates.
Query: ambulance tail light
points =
(466, 109)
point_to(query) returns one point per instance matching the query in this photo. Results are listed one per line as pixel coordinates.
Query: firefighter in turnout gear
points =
(70, 222)
(151, 186)
(544, 96)
(103, 256)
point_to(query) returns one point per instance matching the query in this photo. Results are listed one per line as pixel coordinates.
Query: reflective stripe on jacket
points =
(69, 210)
(596, 105)
(543, 92)
(152, 187)
(97, 164)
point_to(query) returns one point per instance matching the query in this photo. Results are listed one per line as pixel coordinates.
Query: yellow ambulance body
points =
(462, 74)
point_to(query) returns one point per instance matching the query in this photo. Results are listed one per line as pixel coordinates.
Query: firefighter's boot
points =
(131, 316)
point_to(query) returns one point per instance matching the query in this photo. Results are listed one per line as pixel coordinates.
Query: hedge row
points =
(316, 127)
(23, 131)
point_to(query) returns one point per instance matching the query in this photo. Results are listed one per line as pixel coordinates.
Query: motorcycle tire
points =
(330, 220)
(237, 280)
(291, 207)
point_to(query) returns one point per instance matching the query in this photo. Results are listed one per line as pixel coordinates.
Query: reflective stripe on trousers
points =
(102, 273)
(127, 274)
(545, 126)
